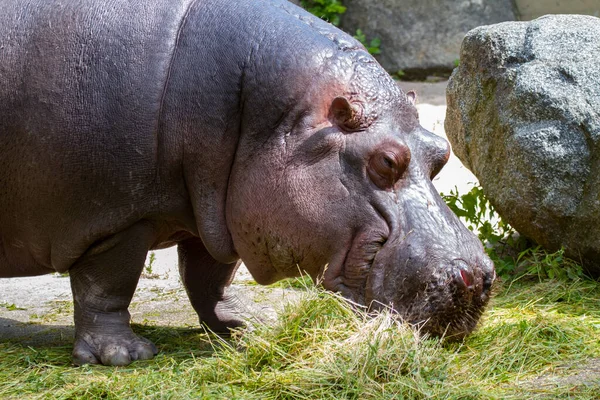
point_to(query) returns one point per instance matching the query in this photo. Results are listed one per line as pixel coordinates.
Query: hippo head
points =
(342, 190)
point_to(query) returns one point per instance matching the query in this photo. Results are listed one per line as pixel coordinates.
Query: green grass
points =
(537, 340)
(303, 282)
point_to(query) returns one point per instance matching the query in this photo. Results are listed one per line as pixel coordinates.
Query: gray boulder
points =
(421, 37)
(524, 115)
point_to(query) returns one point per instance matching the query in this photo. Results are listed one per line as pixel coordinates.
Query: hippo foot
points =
(112, 350)
(224, 317)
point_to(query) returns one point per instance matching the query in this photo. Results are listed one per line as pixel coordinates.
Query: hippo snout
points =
(454, 297)
(441, 289)
(450, 297)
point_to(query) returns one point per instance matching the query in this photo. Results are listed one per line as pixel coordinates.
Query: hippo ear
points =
(412, 97)
(346, 115)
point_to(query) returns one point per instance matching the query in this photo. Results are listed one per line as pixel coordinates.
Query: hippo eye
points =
(388, 161)
(387, 166)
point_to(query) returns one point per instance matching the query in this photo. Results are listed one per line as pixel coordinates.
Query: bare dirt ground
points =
(39, 309)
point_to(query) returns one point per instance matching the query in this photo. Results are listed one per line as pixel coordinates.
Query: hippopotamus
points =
(246, 130)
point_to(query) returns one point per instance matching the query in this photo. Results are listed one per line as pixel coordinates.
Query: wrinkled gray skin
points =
(234, 129)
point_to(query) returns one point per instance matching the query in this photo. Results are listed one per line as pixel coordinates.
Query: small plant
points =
(539, 263)
(399, 75)
(480, 216)
(372, 46)
(148, 268)
(329, 10)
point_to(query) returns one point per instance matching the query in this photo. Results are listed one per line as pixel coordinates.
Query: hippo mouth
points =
(350, 274)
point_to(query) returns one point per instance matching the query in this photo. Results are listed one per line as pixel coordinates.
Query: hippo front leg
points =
(103, 282)
(205, 280)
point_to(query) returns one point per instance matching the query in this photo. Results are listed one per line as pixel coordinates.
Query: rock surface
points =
(421, 37)
(530, 9)
(524, 115)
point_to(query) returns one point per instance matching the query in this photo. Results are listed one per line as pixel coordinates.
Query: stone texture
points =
(530, 9)
(524, 115)
(421, 37)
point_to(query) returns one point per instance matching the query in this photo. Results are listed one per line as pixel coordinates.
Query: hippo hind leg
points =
(205, 281)
(103, 281)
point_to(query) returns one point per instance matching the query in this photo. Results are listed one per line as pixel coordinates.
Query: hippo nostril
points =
(465, 275)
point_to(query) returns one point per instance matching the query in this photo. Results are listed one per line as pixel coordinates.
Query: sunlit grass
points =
(534, 336)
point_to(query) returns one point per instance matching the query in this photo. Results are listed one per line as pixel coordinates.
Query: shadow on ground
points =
(34, 334)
